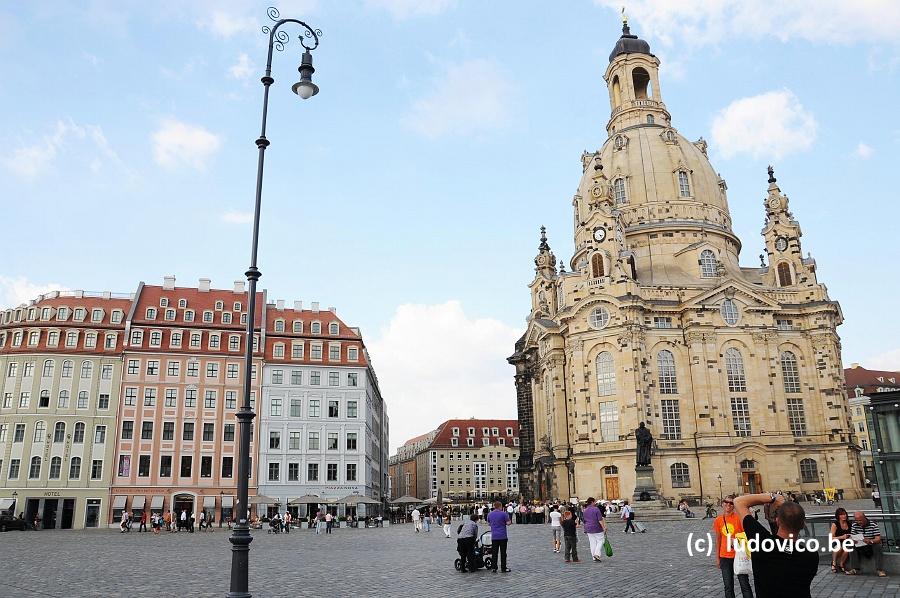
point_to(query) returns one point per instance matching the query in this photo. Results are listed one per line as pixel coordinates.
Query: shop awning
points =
(137, 503)
(156, 503)
(119, 501)
(209, 502)
(6, 503)
(227, 502)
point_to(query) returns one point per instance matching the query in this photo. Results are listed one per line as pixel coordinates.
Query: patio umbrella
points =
(357, 499)
(407, 500)
(307, 499)
(262, 499)
(436, 501)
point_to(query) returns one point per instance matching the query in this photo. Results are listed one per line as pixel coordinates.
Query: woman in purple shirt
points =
(594, 527)
(499, 520)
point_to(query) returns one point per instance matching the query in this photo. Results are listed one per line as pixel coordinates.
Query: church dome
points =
(629, 44)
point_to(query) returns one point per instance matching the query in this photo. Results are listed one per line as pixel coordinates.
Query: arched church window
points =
(619, 191)
(809, 471)
(610, 470)
(650, 119)
(641, 80)
(606, 374)
(748, 464)
(665, 365)
(681, 475)
(790, 372)
(784, 275)
(734, 368)
(730, 312)
(617, 91)
(599, 318)
(708, 265)
(684, 184)
(597, 266)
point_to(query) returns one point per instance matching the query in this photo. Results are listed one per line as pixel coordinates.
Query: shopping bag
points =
(607, 547)
(742, 563)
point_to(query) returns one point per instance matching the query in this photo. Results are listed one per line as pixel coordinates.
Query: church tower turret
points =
(787, 266)
(543, 288)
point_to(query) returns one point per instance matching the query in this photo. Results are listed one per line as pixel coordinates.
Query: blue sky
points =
(409, 192)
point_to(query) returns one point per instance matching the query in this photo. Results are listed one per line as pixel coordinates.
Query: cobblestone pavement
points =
(393, 561)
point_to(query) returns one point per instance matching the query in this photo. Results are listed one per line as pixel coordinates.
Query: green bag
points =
(607, 547)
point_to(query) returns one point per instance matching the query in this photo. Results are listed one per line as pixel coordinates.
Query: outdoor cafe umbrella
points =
(308, 499)
(262, 499)
(357, 499)
(437, 501)
(407, 500)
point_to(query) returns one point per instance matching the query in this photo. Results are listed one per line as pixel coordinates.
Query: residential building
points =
(60, 376)
(322, 418)
(466, 459)
(402, 466)
(736, 370)
(861, 384)
(176, 444)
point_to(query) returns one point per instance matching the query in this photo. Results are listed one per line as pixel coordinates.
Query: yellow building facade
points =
(736, 370)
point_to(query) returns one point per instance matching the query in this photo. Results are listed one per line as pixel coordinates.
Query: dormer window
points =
(237, 306)
(80, 314)
(226, 317)
(62, 313)
(189, 315)
(163, 302)
(456, 431)
(208, 316)
(45, 313)
(170, 315)
(151, 313)
(116, 316)
(316, 328)
(279, 325)
(684, 185)
(471, 431)
(182, 303)
(298, 326)
(220, 305)
(333, 328)
(32, 313)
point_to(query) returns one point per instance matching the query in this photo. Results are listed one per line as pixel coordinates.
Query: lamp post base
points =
(240, 560)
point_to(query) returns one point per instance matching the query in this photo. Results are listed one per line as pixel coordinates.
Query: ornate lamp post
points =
(240, 537)
(719, 478)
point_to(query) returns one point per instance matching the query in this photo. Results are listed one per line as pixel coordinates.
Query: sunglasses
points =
(728, 502)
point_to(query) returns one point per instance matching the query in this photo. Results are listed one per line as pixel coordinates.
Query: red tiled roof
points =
(445, 432)
(197, 301)
(416, 439)
(860, 376)
(347, 336)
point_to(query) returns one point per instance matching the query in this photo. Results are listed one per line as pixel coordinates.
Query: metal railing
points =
(819, 525)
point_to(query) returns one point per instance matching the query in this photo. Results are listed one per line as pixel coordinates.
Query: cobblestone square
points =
(393, 561)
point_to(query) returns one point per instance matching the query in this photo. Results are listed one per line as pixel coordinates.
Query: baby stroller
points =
(482, 555)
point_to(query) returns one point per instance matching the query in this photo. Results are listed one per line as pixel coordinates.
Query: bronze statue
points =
(644, 441)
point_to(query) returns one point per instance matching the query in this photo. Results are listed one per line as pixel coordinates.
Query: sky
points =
(409, 192)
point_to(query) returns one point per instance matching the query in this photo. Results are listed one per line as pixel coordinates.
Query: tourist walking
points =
(556, 528)
(123, 524)
(465, 542)
(143, 526)
(726, 527)
(183, 522)
(416, 519)
(447, 523)
(778, 572)
(167, 518)
(595, 528)
(329, 522)
(840, 530)
(427, 519)
(499, 520)
(628, 516)
(287, 522)
(569, 526)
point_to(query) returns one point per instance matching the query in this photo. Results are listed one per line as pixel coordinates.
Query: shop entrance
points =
(92, 513)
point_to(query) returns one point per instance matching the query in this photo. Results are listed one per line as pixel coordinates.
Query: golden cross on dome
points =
(624, 16)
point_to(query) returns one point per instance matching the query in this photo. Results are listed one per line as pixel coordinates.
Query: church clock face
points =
(780, 243)
(599, 234)
(774, 203)
(597, 190)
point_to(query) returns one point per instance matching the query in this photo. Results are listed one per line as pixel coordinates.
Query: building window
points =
(106, 371)
(168, 432)
(48, 369)
(298, 326)
(352, 354)
(230, 399)
(124, 469)
(809, 471)
(790, 372)
(127, 430)
(334, 379)
(351, 472)
(228, 433)
(165, 466)
(619, 191)
(296, 408)
(315, 378)
(681, 477)
(87, 370)
(99, 434)
(784, 275)
(671, 419)
(684, 185)
(784, 324)
(294, 441)
(279, 325)
(275, 406)
(278, 351)
(274, 471)
(316, 328)
(209, 432)
(709, 265)
(214, 341)
(209, 399)
(314, 408)
(334, 352)
(147, 431)
(39, 429)
(351, 409)
(75, 468)
(234, 343)
(668, 382)
(55, 467)
(14, 469)
(599, 317)
(144, 466)
(730, 312)
(333, 410)
(152, 367)
(277, 376)
(151, 313)
(82, 400)
(734, 368)
(331, 474)
(78, 434)
(332, 441)
(44, 399)
(227, 466)
(797, 416)
(351, 441)
(274, 440)
(103, 402)
(740, 413)
(96, 469)
(187, 432)
(186, 463)
(226, 318)
(609, 420)
(35, 471)
(190, 397)
(312, 472)
(212, 370)
(313, 441)
(606, 374)
(59, 432)
(193, 369)
(149, 397)
(315, 352)
(297, 351)
(454, 442)
(597, 270)
(662, 322)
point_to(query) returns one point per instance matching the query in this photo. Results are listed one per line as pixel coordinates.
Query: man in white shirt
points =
(556, 527)
(417, 520)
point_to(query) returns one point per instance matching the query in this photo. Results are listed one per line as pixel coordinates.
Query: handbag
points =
(607, 547)
(742, 562)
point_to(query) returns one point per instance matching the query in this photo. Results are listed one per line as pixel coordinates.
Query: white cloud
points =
(242, 68)
(703, 22)
(235, 217)
(404, 9)
(864, 151)
(15, 291)
(176, 144)
(34, 160)
(226, 24)
(435, 363)
(770, 125)
(470, 97)
(888, 361)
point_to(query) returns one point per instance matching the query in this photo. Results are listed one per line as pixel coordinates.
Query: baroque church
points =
(735, 370)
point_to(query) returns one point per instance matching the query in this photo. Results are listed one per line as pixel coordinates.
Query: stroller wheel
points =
(488, 563)
(457, 564)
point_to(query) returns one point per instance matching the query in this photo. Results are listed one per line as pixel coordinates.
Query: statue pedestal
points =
(645, 487)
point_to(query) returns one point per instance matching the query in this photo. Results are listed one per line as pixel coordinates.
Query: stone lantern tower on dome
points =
(735, 369)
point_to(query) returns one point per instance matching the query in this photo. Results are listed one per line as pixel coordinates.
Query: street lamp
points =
(719, 478)
(240, 537)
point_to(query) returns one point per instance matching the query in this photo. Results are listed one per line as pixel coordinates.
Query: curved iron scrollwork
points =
(280, 38)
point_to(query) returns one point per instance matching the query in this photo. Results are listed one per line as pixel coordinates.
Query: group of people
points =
(784, 569)
(172, 522)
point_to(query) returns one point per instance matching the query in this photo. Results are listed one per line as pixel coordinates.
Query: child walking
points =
(569, 525)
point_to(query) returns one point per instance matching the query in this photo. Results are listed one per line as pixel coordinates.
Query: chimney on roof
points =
(298, 305)
(332, 310)
(853, 366)
(238, 286)
(107, 294)
(315, 307)
(168, 283)
(79, 294)
(204, 285)
(279, 305)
